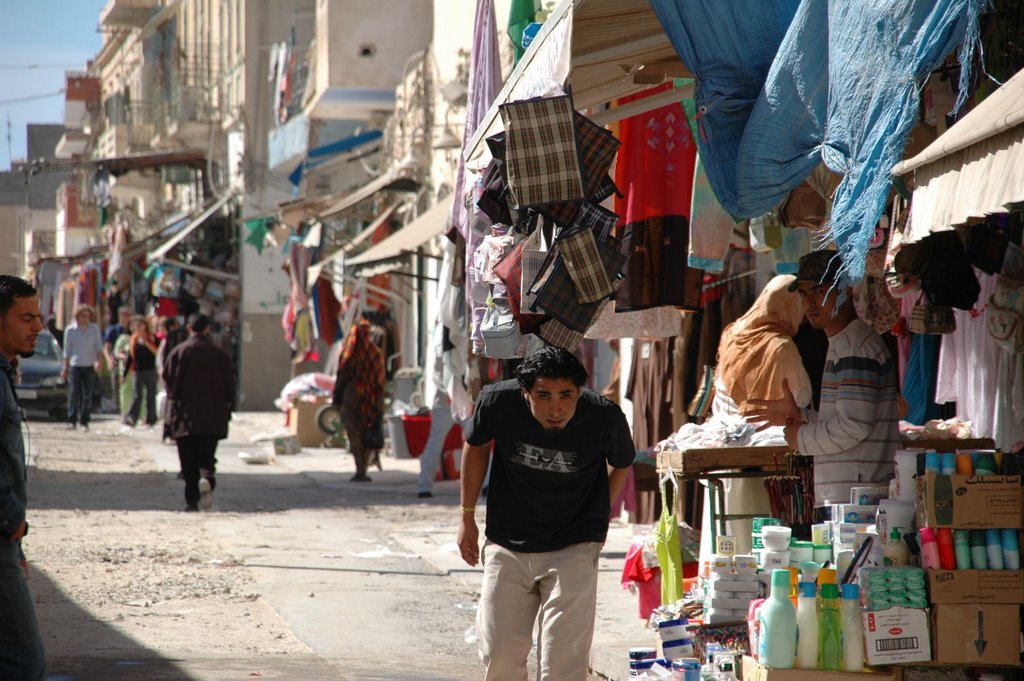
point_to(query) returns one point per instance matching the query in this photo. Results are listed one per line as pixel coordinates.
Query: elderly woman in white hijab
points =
(756, 356)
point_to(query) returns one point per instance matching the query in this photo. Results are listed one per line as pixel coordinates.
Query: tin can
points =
(686, 669)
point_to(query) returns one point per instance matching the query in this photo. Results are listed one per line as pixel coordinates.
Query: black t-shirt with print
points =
(548, 490)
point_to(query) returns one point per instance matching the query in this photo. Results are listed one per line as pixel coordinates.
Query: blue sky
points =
(41, 32)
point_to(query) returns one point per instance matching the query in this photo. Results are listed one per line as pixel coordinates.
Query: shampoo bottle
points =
(807, 626)
(830, 630)
(896, 552)
(853, 630)
(778, 625)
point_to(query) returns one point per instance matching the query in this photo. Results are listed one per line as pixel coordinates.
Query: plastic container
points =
(830, 630)
(947, 554)
(961, 549)
(896, 552)
(777, 645)
(801, 551)
(822, 553)
(994, 550)
(1011, 549)
(853, 629)
(979, 555)
(776, 538)
(930, 549)
(807, 626)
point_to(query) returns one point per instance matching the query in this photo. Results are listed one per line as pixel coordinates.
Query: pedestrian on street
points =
(561, 455)
(21, 647)
(174, 335)
(201, 390)
(117, 363)
(142, 352)
(83, 355)
(854, 434)
(359, 395)
(441, 423)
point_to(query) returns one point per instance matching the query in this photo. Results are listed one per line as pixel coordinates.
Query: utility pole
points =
(9, 147)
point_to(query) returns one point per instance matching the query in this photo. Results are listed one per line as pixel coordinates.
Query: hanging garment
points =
(710, 225)
(649, 386)
(670, 552)
(968, 361)
(649, 323)
(919, 385)
(655, 172)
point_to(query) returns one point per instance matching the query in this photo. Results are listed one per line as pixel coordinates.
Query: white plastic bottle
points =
(778, 625)
(853, 629)
(807, 626)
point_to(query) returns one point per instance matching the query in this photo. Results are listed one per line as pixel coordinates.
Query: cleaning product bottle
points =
(896, 552)
(962, 549)
(930, 549)
(853, 630)
(947, 552)
(1011, 549)
(979, 555)
(807, 626)
(830, 629)
(994, 550)
(778, 625)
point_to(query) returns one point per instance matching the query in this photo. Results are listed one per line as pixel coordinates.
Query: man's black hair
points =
(12, 287)
(198, 322)
(551, 362)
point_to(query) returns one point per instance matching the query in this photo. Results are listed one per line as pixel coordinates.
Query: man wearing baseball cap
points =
(855, 432)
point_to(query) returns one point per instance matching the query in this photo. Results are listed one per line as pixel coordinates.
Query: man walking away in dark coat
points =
(201, 390)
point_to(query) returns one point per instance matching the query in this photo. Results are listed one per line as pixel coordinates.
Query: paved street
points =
(296, 574)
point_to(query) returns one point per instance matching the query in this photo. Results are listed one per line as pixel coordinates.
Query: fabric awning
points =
(605, 49)
(161, 250)
(314, 270)
(974, 169)
(387, 255)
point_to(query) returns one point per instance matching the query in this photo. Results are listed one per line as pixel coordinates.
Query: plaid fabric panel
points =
(557, 334)
(579, 249)
(510, 271)
(557, 297)
(542, 156)
(598, 147)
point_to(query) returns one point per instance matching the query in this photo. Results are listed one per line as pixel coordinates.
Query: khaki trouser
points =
(555, 589)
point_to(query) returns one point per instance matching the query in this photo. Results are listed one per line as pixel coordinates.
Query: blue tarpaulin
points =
(842, 87)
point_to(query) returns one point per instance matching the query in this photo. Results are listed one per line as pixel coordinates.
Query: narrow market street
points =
(295, 574)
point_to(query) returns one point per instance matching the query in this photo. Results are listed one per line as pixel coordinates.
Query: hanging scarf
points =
(757, 351)
(360, 353)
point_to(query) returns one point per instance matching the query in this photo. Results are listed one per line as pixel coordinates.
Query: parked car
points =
(40, 389)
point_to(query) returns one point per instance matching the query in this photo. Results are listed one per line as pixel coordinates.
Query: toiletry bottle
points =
(930, 549)
(994, 550)
(986, 464)
(962, 549)
(947, 464)
(965, 464)
(830, 630)
(1011, 548)
(979, 557)
(807, 626)
(853, 630)
(896, 552)
(947, 556)
(778, 625)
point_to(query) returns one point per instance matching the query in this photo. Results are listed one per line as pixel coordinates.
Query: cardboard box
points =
(287, 445)
(752, 671)
(969, 502)
(302, 422)
(853, 513)
(896, 636)
(982, 634)
(976, 586)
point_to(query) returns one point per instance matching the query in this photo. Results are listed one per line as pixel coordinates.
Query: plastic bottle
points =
(896, 552)
(1011, 549)
(807, 626)
(794, 585)
(930, 549)
(830, 629)
(853, 630)
(979, 557)
(962, 549)
(948, 463)
(986, 464)
(947, 554)
(994, 550)
(778, 625)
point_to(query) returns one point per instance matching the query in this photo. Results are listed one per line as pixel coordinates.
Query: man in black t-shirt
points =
(561, 454)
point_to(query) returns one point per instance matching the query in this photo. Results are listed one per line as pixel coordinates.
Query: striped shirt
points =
(855, 432)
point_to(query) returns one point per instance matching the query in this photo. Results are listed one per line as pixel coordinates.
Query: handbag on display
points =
(700, 405)
(502, 339)
(929, 318)
(1005, 315)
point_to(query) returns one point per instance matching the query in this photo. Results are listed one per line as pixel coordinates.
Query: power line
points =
(29, 98)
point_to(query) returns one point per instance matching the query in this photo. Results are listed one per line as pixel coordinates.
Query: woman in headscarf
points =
(359, 393)
(756, 355)
(757, 352)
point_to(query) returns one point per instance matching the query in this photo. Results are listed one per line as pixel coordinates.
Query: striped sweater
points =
(855, 432)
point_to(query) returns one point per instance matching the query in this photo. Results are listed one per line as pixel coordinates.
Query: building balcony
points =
(72, 143)
(134, 13)
(72, 212)
(183, 119)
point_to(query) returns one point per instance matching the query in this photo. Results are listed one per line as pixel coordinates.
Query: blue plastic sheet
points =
(842, 87)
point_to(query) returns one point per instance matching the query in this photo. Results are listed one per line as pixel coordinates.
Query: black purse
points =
(373, 438)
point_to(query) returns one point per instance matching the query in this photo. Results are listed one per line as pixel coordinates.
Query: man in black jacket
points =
(201, 390)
